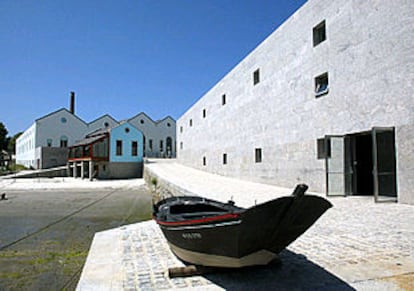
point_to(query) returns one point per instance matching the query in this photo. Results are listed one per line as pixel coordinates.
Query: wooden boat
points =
(206, 232)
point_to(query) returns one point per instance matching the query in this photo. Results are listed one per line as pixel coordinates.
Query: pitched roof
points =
(88, 140)
(59, 110)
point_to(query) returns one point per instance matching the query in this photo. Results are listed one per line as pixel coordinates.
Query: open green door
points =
(384, 171)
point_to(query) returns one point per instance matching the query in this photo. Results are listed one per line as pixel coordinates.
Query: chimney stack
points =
(72, 102)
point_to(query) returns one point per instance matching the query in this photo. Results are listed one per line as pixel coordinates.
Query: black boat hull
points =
(243, 237)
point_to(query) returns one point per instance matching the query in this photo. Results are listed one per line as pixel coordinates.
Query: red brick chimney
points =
(72, 102)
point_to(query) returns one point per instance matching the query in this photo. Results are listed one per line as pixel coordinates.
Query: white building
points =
(44, 144)
(159, 136)
(326, 99)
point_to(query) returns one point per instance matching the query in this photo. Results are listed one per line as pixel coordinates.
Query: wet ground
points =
(45, 235)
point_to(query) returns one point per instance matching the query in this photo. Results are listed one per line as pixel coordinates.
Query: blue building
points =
(108, 153)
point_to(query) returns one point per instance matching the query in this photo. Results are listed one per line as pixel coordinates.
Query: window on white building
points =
(258, 155)
(319, 33)
(323, 148)
(49, 142)
(321, 85)
(256, 77)
(63, 141)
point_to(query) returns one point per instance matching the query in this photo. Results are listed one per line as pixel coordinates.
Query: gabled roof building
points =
(108, 153)
(45, 143)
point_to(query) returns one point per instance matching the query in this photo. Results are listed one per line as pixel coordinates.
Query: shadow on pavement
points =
(293, 271)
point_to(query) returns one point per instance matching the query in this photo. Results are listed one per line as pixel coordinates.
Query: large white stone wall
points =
(368, 54)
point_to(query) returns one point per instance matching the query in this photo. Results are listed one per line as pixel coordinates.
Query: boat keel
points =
(262, 257)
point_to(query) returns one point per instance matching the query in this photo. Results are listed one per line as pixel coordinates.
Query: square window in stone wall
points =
(258, 155)
(321, 85)
(256, 77)
(319, 33)
(324, 148)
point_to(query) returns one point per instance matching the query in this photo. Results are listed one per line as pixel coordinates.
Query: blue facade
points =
(122, 139)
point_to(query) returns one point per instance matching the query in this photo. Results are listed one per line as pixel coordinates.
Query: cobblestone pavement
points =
(357, 244)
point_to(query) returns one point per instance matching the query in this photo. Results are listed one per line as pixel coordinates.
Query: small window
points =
(204, 113)
(191, 122)
(168, 124)
(223, 99)
(258, 155)
(63, 120)
(106, 124)
(63, 141)
(181, 129)
(161, 145)
(224, 159)
(87, 151)
(256, 77)
(142, 121)
(150, 144)
(181, 145)
(119, 147)
(321, 85)
(204, 161)
(134, 148)
(319, 33)
(49, 142)
(324, 148)
(127, 129)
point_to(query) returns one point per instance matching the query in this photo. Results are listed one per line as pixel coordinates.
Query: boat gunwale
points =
(200, 221)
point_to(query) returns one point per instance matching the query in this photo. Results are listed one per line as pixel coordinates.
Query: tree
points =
(12, 143)
(3, 136)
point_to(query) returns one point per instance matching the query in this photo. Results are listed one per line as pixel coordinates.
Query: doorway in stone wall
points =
(362, 163)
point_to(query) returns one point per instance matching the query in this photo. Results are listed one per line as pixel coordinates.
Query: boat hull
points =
(245, 237)
(262, 257)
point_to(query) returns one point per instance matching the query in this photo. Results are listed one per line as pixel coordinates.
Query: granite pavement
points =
(357, 244)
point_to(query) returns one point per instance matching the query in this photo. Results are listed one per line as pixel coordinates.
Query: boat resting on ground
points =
(206, 232)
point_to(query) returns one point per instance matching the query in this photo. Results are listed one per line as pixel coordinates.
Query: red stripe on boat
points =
(200, 221)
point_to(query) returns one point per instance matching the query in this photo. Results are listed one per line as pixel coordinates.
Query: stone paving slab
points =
(357, 244)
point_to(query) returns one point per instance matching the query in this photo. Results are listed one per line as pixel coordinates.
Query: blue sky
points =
(123, 57)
